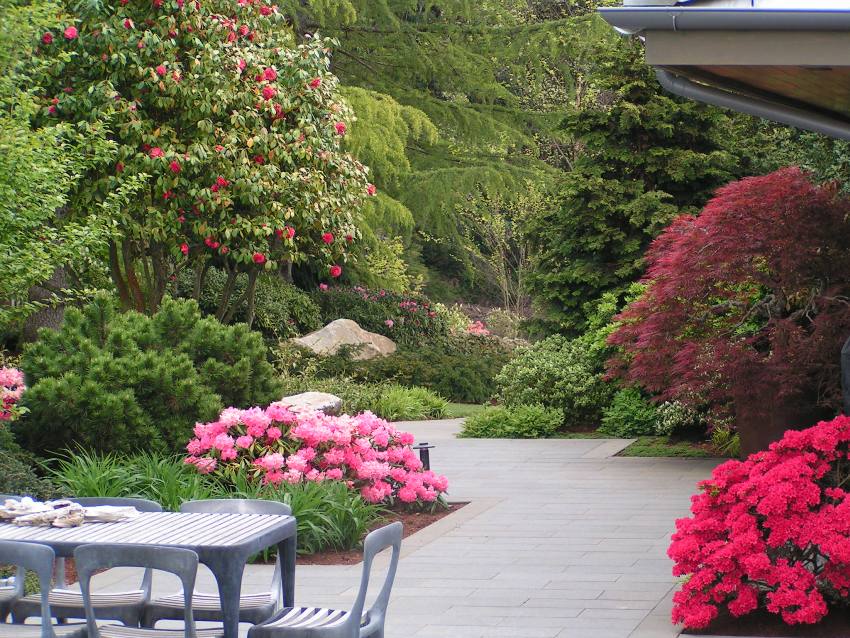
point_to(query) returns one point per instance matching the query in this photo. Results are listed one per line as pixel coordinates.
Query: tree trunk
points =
(118, 277)
(50, 316)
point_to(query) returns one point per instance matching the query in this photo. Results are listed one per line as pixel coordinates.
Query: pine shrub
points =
(107, 381)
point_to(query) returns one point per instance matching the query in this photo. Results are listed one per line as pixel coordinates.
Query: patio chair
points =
(317, 622)
(11, 589)
(253, 608)
(183, 563)
(125, 606)
(37, 558)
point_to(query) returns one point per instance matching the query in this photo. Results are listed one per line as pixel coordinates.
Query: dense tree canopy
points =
(752, 294)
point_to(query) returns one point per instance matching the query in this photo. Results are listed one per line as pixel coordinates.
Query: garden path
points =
(560, 538)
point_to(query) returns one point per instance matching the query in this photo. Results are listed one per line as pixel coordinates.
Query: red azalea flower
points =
(335, 271)
(128, 23)
(55, 100)
(259, 258)
(279, 233)
(174, 166)
(269, 74)
(51, 109)
(340, 128)
(328, 238)
(214, 188)
(222, 182)
(349, 238)
(184, 248)
(290, 232)
(269, 92)
(219, 148)
(315, 83)
(370, 189)
(47, 38)
(71, 33)
(265, 11)
(161, 70)
(244, 30)
(259, 159)
(155, 152)
(168, 195)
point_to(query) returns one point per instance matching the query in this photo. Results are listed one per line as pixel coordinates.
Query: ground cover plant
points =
(275, 445)
(770, 532)
(518, 422)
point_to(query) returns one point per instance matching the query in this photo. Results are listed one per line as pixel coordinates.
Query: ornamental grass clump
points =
(770, 533)
(277, 445)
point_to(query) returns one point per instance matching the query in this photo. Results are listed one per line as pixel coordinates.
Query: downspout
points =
(790, 115)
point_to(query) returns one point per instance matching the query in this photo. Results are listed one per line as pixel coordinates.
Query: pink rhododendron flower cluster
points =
(771, 532)
(277, 444)
(11, 389)
(478, 328)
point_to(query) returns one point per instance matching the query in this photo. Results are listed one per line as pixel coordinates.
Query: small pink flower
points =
(315, 83)
(269, 92)
(340, 128)
(323, 287)
(258, 258)
(390, 323)
(269, 74)
(371, 190)
(161, 70)
(174, 166)
(328, 238)
(128, 23)
(47, 38)
(155, 152)
(335, 271)
(273, 433)
(71, 33)
(184, 248)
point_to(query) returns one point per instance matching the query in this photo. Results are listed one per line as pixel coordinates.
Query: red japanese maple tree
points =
(750, 299)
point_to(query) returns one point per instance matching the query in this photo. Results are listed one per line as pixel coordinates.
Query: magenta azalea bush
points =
(276, 444)
(11, 389)
(771, 532)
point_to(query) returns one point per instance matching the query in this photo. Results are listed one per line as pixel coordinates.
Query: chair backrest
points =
(36, 558)
(236, 506)
(183, 563)
(376, 542)
(242, 506)
(141, 504)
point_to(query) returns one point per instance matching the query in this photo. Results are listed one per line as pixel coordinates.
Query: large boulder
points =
(332, 337)
(314, 401)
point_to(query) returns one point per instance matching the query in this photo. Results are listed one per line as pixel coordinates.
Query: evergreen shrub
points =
(517, 422)
(629, 414)
(107, 381)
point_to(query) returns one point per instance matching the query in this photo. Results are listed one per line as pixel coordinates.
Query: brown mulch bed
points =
(762, 624)
(412, 521)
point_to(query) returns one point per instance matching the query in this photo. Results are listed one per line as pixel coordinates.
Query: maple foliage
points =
(754, 292)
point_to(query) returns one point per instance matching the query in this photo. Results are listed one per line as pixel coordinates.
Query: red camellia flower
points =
(220, 181)
(47, 38)
(269, 74)
(128, 23)
(315, 83)
(168, 195)
(155, 152)
(265, 11)
(290, 232)
(328, 238)
(174, 166)
(269, 92)
(335, 271)
(71, 33)
(259, 258)
(184, 248)
(340, 128)
(370, 189)
(161, 70)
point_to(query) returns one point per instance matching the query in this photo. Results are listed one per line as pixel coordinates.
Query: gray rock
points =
(321, 401)
(332, 337)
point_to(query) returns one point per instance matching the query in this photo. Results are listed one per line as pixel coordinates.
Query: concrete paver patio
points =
(561, 539)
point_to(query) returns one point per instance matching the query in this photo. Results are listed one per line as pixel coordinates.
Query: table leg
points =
(287, 552)
(228, 574)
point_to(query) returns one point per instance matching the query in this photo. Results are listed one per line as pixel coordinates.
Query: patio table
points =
(223, 542)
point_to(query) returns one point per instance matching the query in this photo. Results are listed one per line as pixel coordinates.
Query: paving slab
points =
(561, 539)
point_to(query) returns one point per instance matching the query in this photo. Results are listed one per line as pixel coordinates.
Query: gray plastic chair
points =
(125, 606)
(317, 622)
(37, 558)
(183, 563)
(253, 608)
(12, 588)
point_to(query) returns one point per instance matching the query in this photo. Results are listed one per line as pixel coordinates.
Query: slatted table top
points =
(156, 528)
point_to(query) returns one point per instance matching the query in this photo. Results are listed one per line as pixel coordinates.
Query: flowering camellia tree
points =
(237, 129)
(277, 444)
(11, 389)
(771, 532)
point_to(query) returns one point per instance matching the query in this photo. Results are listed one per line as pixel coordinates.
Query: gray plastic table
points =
(223, 542)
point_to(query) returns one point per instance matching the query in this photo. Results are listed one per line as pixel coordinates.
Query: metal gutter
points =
(784, 114)
(636, 19)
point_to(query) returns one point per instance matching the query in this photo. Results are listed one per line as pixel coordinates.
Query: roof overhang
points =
(786, 64)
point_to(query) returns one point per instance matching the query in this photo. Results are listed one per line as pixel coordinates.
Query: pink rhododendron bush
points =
(11, 389)
(771, 532)
(276, 444)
